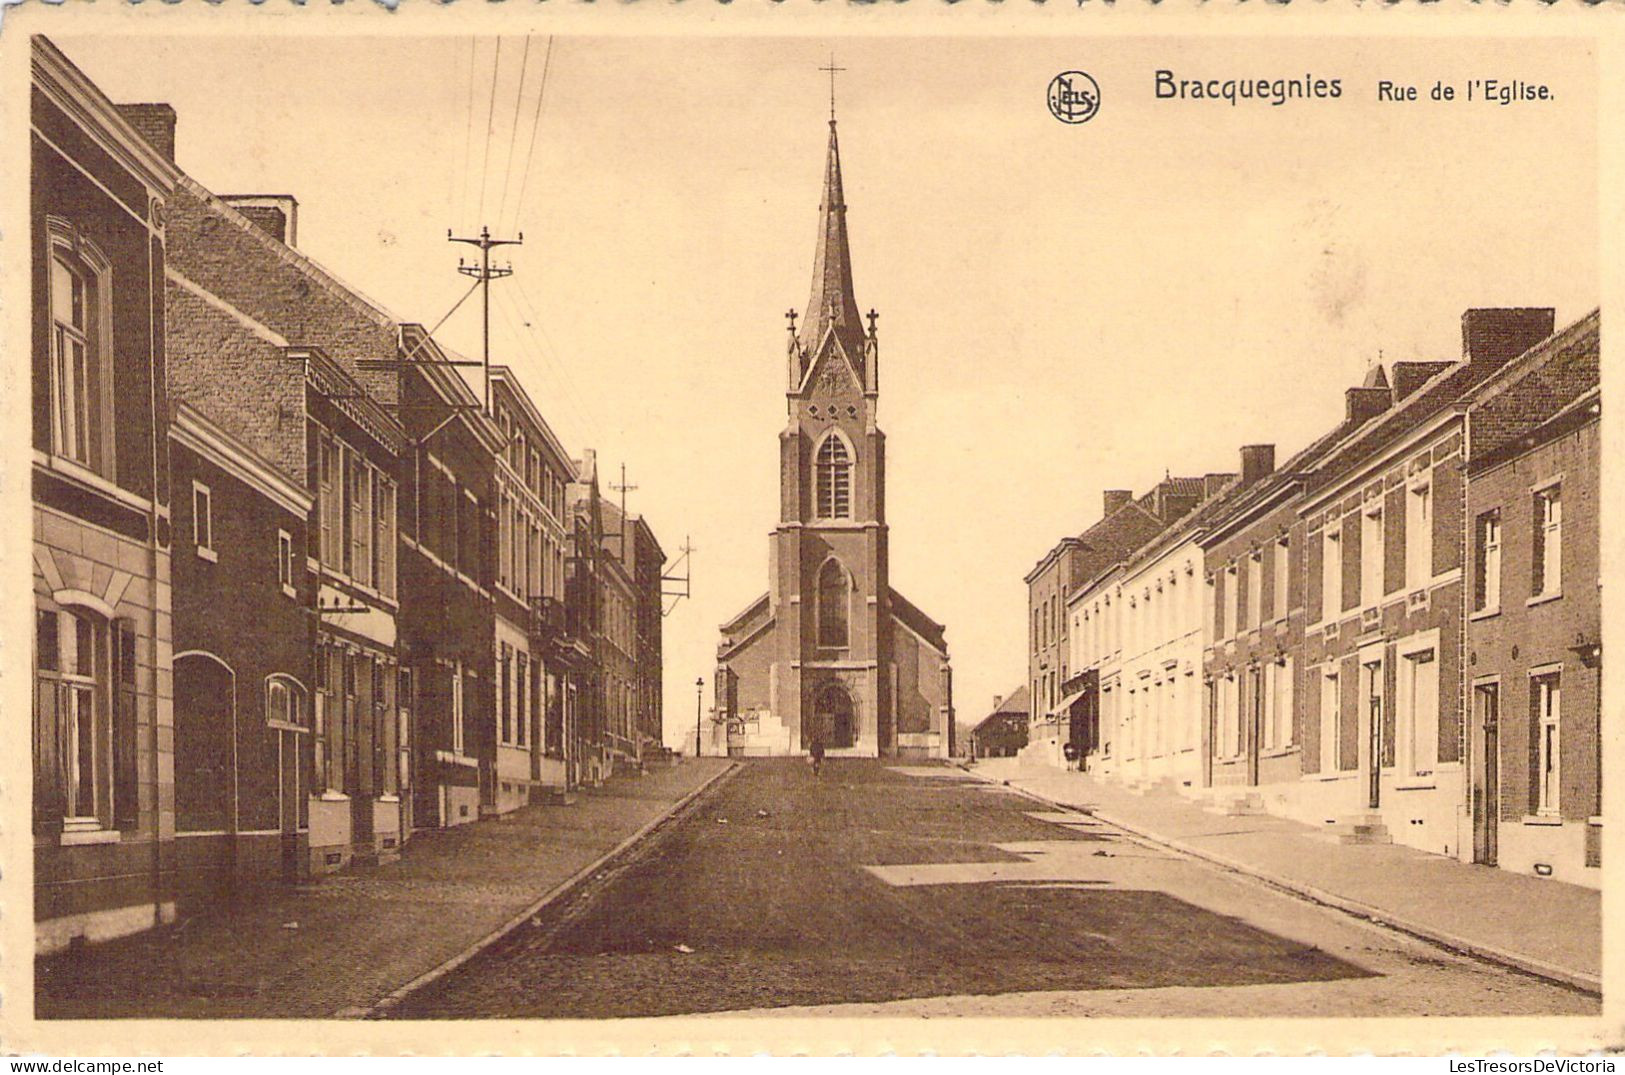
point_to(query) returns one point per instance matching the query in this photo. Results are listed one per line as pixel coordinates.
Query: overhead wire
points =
(552, 352)
(535, 122)
(513, 132)
(468, 133)
(490, 122)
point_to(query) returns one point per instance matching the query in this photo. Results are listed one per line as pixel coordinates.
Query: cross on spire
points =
(832, 69)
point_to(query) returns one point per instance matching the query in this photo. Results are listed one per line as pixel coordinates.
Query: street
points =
(895, 889)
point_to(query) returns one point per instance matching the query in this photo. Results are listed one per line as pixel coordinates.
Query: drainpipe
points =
(154, 278)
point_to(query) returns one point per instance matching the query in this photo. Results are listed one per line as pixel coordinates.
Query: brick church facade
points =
(831, 652)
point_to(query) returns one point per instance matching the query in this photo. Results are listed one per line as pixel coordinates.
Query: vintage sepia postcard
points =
(825, 530)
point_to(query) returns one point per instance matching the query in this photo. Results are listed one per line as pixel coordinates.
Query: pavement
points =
(920, 890)
(344, 943)
(1478, 910)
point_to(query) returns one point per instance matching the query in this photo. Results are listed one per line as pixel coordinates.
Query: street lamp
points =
(699, 697)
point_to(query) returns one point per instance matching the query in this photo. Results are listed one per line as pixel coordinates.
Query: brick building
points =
(242, 659)
(1534, 624)
(447, 614)
(1075, 564)
(831, 652)
(103, 763)
(533, 471)
(1003, 732)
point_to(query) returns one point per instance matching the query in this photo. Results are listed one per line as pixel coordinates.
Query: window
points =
(284, 702)
(1255, 588)
(505, 693)
(285, 565)
(1487, 561)
(1330, 702)
(1282, 578)
(1418, 535)
(84, 721)
(331, 508)
(320, 731)
(1418, 718)
(1371, 553)
(1278, 721)
(1546, 710)
(834, 600)
(457, 708)
(1331, 572)
(358, 492)
(1232, 605)
(203, 521)
(80, 349)
(383, 545)
(521, 698)
(834, 479)
(1548, 542)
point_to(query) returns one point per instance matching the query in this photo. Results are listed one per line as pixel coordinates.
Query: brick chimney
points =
(155, 123)
(1257, 461)
(1409, 376)
(277, 215)
(1115, 499)
(1214, 484)
(998, 700)
(1370, 399)
(1497, 335)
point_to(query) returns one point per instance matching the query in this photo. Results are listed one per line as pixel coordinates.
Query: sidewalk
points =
(1475, 909)
(344, 942)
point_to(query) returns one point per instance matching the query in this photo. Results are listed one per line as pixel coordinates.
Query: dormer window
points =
(834, 479)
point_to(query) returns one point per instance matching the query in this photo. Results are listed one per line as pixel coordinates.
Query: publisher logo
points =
(1073, 97)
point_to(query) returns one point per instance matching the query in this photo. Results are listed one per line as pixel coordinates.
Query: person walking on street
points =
(816, 750)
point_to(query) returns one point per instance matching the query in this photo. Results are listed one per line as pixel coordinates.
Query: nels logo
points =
(1073, 97)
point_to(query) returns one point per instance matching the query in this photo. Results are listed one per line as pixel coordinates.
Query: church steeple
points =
(832, 301)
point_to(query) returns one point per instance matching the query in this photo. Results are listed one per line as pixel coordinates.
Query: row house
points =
(275, 352)
(103, 728)
(645, 564)
(1075, 564)
(1003, 732)
(617, 636)
(536, 659)
(298, 591)
(448, 621)
(1534, 621)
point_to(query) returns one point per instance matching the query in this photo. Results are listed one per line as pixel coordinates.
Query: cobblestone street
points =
(346, 941)
(880, 888)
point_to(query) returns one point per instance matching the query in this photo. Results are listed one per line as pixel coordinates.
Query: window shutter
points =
(1314, 548)
(1351, 560)
(1447, 515)
(48, 776)
(1393, 540)
(126, 789)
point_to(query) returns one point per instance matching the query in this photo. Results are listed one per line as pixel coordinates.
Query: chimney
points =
(1257, 461)
(1497, 335)
(1409, 376)
(155, 123)
(1366, 402)
(277, 215)
(998, 700)
(1214, 484)
(1115, 500)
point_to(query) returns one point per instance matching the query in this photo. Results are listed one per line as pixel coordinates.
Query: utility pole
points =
(623, 489)
(484, 273)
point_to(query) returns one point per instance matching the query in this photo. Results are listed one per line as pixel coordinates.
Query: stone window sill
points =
(1541, 599)
(1485, 613)
(78, 837)
(1547, 820)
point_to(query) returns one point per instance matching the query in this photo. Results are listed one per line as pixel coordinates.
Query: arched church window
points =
(834, 472)
(834, 603)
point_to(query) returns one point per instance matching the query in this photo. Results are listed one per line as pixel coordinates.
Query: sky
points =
(1063, 308)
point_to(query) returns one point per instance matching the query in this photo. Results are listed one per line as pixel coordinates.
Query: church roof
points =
(909, 615)
(832, 302)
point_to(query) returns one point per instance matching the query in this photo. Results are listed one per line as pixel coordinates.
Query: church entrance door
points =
(834, 718)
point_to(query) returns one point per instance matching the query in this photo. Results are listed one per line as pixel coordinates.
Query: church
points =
(831, 653)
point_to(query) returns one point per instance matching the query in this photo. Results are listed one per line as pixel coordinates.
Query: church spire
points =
(832, 301)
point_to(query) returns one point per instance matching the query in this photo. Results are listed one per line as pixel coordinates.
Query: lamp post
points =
(699, 698)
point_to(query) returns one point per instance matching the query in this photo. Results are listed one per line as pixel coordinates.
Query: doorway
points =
(834, 720)
(1487, 794)
(1371, 680)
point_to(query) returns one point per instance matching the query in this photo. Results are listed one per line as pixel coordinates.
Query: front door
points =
(1255, 722)
(290, 796)
(1487, 795)
(833, 718)
(1372, 674)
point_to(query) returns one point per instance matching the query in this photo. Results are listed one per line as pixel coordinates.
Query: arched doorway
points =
(834, 718)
